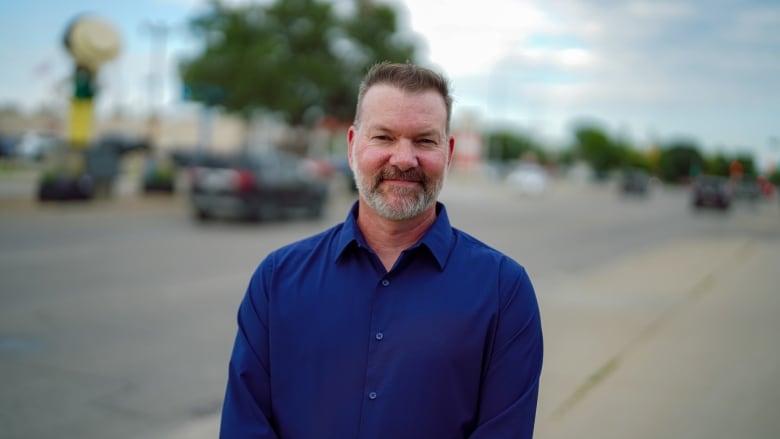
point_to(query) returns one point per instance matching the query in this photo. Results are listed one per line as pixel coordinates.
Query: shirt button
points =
(385, 282)
(372, 395)
(379, 336)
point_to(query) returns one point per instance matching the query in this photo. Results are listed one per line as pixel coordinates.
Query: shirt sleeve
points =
(246, 411)
(510, 385)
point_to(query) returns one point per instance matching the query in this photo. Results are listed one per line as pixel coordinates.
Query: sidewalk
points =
(639, 348)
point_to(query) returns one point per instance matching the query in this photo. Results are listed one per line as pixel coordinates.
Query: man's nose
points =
(404, 155)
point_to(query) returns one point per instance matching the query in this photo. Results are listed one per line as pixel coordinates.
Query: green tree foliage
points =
(369, 35)
(774, 177)
(717, 164)
(720, 164)
(635, 159)
(674, 162)
(294, 58)
(595, 147)
(748, 165)
(630, 157)
(679, 161)
(506, 146)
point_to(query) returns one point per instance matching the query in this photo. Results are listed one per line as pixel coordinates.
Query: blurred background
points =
(151, 153)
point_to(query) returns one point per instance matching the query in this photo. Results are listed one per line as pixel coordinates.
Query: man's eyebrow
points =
(428, 133)
(387, 130)
(381, 129)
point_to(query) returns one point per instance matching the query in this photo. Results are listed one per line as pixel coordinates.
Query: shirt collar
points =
(438, 239)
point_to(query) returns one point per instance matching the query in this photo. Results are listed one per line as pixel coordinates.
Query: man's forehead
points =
(426, 107)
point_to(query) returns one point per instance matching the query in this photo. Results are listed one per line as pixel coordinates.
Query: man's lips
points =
(402, 179)
(402, 182)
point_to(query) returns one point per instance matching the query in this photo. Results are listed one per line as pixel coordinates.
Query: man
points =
(391, 324)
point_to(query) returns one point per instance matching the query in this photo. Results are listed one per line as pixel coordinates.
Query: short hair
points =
(407, 77)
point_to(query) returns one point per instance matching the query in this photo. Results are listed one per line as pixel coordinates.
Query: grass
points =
(10, 168)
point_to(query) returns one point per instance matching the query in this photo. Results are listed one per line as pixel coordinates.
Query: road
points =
(117, 316)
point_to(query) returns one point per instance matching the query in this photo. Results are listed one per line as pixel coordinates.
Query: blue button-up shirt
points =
(447, 344)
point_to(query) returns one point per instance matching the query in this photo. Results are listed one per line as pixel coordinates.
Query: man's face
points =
(400, 150)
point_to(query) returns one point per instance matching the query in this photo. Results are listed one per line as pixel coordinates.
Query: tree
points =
(720, 164)
(774, 177)
(747, 164)
(717, 164)
(596, 148)
(680, 160)
(506, 146)
(294, 58)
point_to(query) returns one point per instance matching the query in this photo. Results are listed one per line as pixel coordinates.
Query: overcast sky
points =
(703, 69)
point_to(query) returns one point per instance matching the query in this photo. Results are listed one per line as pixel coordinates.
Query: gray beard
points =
(411, 201)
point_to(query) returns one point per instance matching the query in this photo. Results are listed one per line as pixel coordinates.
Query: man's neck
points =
(388, 238)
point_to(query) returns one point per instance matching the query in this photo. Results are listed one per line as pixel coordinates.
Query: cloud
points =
(699, 64)
(465, 39)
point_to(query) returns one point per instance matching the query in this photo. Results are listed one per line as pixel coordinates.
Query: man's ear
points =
(350, 144)
(451, 147)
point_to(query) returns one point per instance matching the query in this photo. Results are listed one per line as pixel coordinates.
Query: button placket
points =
(373, 375)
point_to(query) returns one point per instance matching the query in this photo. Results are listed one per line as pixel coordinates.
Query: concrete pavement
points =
(676, 342)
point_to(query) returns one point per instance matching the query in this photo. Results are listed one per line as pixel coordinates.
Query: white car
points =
(34, 146)
(528, 178)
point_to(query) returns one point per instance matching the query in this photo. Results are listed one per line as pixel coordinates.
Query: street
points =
(117, 316)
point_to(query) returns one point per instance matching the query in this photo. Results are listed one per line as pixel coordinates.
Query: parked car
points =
(634, 182)
(34, 146)
(711, 191)
(255, 186)
(528, 178)
(8, 145)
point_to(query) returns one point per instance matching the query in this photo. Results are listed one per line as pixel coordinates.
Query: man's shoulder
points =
(480, 252)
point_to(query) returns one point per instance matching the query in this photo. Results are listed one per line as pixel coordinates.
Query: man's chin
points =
(400, 208)
(402, 191)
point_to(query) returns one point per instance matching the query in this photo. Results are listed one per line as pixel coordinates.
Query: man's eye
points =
(382, 138)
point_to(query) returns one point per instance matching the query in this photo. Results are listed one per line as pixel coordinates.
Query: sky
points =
(650, 71)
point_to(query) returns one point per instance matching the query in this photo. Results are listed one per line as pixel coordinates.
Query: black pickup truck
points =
(255, 186)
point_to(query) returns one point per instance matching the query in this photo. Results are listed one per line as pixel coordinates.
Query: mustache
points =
(393, 173)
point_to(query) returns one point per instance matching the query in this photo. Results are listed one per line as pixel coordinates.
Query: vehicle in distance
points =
(528, 178)
(712, 191)
(634, 182)
(255, 186)
(748, 189)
